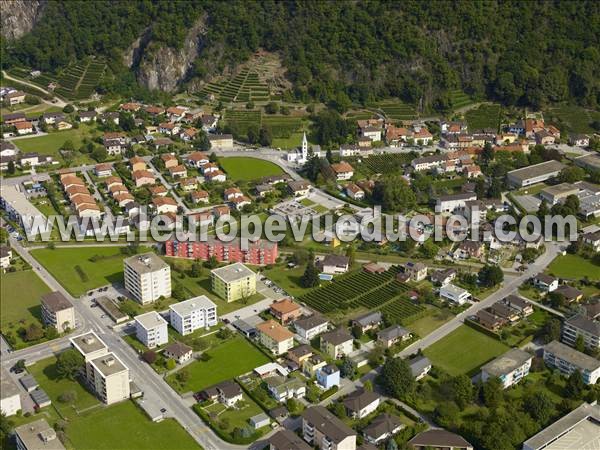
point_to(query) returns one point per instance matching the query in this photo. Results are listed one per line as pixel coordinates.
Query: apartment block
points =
(275, 337)
(323, 430)
(337, 343)
(110, 378)
(510, 368)
(567, 360)
(193, 314)
(10, 396)
(257, 253)
(151, 329)
(37, 435)
(580, 325)
(233, 282)
(147, 277)
(58, 311)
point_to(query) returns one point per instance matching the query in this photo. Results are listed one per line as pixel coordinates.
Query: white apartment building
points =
(151, 329)
(10, 399)
(147, 277)
(37, 435)
(580, 325)
(58, 312)
(454, 294)
(567, 360)
(510, 368)
(110, 378)
(190, 315)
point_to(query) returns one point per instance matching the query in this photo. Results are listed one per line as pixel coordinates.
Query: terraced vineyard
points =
(283, 126)
(396, 110)
(384, 163)
(459, 99)
(241, 120)
(486, 116)
(244, 87)
(280, 126)
(402, 311)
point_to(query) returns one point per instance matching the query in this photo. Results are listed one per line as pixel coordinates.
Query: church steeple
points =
(304, 147)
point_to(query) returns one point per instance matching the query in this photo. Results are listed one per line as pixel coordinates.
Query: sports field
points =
(230, 359)
(78, 274)
(464, 351)
(244, 169)
(574, 267)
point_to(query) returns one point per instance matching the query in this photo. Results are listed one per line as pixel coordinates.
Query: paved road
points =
(167, 185)
(154, 387)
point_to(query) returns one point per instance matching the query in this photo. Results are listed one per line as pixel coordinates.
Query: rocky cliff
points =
(17, 17)
(161, 67)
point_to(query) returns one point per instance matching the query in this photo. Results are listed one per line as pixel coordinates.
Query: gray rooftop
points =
(28, 382)
(307, 323)
(8, 386)
(393, 332)
(108, 364)
(56, 301)
(232, 272)
(327, 423)
(418, 364)
(561, 189)
(337, 336)
(150, 320)
(39, 435)
(40, 397)
(578, 430)
(371, 318)
(504, 364)
(193, 304)
(288, 440)
(88, 343)
(146, 263)
(536, 170)
(360, 399)
(583, 323)
(566, 353)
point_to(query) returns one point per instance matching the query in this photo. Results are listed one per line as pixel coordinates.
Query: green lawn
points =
(51, 143)
(21, 292)
(93, 426)
(62, 263)
(464, 350)
(287, 279)
(243, 168)
(288, 143)
(230, 359)
(430, 322)
(573, 266)
(486, 116)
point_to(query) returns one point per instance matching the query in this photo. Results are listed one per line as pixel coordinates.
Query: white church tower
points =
(304, 147)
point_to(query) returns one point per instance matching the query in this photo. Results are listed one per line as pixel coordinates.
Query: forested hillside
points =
(530, 53)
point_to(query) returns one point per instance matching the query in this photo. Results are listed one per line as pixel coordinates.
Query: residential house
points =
(103, 170)
(10, 394)
(143, 178)
(58, 312)
(229, 393)
(137, 163)
(333, 264)
(151, 329)
(158, 191)
(580, 325)
(178, 171)
(417, 271)
(579, 140)
(216, 176)
(196, 159)
(175, 113)
(419, 367)
(567, 360)
(115, 143)
(328, 376)
(5, 256)
(24, 128)
(87, 116)
(569, 293)
(454, 294)
(510, 368)
(438, 439)
(283, 389)
(469, 249)
(342, 171)
(221, 141)
(110, 116)
(287, 440)
(169, 160)
(323, 430)
(382, 428)
(450, 203)
(502, 309)
(443, 277)
(285, 310)
(361, 403)
(298, 188)
(522, 306)
(178, 352)
(350, 150)
(310, 327)
(545, 282)
(37, 435)
(486, 318)
(233, 282)
(592, 239)
(271, 369)
(147, 277)
(15, 97)
(164, 205)
(170, 128)
(199, 196)
(392, 335)
(312, 365)
(422, 136)
(336, 343)
(189, 134)
(354, 192)
(188, 184)
(300, 354)
(368, 321)
(209, 122)
(275, 337)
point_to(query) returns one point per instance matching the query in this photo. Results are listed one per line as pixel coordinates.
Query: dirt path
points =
(58, 101)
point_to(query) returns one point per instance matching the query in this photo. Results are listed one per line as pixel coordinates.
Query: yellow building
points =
(275, 337)
(233, 282)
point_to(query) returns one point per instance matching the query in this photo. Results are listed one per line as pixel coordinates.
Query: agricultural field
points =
(88, 268)
(359, 114)
(574, 118)
(397, 110)
(241, 120)
(228, 360)
(464, 350)
(244, 169)
(242, 88)
(486, 116)
(366, 291)
(79, 81)
(459, 99)
(385, 163)
(284, 126)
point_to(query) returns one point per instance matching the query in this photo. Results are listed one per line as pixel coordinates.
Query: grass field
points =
(575, 118)
(244, 169)
(288, 143)
(100, 427)
(51, 143)
(430, 322)
(486, 116)
(21, 292)
(574, 267)
(228, 360)
(62, 264)
(464, 351)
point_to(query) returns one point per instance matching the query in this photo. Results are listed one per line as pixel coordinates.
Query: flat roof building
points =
(58, 311)
(558, 193)
(110, 378)
(10, 399)
(233, 282)
(537, 173)
(37, 435)
(151, 329)
(322, 429)
(147, 277)
(89, 345)
(567, 360)
(193, 314)
(21, 210)
(510, 368)
(578, 430)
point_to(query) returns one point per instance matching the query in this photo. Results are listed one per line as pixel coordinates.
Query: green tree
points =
(429, 249)
(149, 356)
(170, 364)
(265, 137)
(462, 390)
(351, 254)
(348, 368)
(575, 385)
(11, 167)
(310, 278)
(580, 343)
(33, 333)
(490, 275)
(539, 406)
(551, 330)
(571, 174)
(396, 378)
(394, 194)
(196, 269)
(183, 375)
(69, 363)
(557, 300)
(492, 392)
(271, 108)
(68, 109)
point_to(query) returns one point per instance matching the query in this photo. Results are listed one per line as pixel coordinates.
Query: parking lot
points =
(292, 210)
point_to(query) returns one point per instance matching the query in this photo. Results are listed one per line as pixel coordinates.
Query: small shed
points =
(29, 383)
(40, 398)
(259, 421)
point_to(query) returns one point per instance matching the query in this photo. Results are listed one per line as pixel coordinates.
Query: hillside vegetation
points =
(530, 53)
